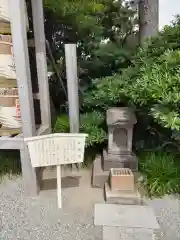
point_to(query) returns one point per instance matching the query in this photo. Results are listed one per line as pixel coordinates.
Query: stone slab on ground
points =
(132, 216)
(122, 197)
(118, 233)
(99, 176)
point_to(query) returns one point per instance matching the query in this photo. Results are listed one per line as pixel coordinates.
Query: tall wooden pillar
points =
(21, 56)
(39, 35)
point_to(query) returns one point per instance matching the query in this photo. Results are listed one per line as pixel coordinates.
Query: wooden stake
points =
(72, 83)
(40, 44)
(59, 186)
(21, 56)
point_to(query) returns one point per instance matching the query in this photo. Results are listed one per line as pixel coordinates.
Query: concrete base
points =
(99, 176)
(125, 160)
(122, 197)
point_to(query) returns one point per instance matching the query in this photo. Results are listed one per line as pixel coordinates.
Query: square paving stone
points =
(132, 216)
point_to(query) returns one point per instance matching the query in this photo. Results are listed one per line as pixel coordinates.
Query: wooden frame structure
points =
(21, 56)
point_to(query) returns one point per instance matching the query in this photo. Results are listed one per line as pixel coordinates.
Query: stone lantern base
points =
(124, 160)
(103, 163)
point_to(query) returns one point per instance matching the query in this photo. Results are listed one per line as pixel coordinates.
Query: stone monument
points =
(119, 154)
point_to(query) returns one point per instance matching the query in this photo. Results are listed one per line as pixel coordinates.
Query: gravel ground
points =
(167, 211)
(24, 218)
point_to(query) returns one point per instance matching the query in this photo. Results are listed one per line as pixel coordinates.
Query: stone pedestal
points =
(122, 197)
(124, 160)
(99, 176)
(120, 189)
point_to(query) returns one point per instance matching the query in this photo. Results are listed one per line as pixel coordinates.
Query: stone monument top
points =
(120, 116)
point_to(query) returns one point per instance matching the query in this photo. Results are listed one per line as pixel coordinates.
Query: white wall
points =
(167, 10)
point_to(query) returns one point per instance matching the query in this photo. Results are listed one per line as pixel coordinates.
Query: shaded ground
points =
(23, 218)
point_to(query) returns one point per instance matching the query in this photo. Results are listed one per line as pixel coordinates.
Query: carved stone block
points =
(121, 179)
(120, 123)
(125, 160)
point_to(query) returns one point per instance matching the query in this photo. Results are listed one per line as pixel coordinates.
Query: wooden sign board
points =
(4, 10)
(5, 28)
(5, 47)
(7, 82)
(7, 66)
(55, 150)
(6, 38)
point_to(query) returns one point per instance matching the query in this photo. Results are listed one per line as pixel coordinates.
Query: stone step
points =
(122, 197)
(129, 216)
(99, 176)
(119, 233)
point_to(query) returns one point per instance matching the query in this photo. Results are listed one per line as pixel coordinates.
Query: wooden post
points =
(20, 48)
(72, 84)
(39, 35)
(59, 186)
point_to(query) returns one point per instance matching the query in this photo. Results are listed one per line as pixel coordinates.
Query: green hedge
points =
(151, 84)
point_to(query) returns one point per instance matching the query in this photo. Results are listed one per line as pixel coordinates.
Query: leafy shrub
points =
(162, 173)
(90, 123)
(62, 124)
(150, 85)
(9, 163)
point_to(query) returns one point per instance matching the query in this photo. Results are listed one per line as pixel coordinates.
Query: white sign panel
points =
(55, 150)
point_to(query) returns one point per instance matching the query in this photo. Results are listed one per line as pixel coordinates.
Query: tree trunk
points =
(148, 18)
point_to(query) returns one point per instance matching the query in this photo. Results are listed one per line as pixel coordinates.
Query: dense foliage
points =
(101, 29)
(150, 85)
(161, 173)
(90, 123)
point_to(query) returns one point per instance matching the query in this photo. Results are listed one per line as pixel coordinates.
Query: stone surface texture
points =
(99, 176)
(118, 233)
(121, 179)
(122, 197)
(130, 216)
(120, 123)
(125, 160)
